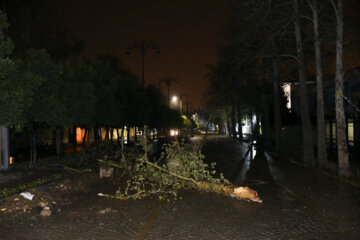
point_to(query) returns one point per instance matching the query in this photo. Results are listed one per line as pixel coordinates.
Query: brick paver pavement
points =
(298, 204)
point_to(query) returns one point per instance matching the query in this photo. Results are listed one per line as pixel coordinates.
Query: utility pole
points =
(181, 97)
(187, 107)
(142, 46)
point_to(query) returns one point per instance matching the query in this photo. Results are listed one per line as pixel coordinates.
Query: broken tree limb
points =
(137, 195)
(226, 190)
(67, 168)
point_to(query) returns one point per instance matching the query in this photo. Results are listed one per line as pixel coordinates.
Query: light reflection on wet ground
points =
(332, 201)
(212, 216)
(248, 156)
(275, 171)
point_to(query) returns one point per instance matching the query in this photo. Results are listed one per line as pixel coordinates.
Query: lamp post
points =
(187, 103)
(142, 46)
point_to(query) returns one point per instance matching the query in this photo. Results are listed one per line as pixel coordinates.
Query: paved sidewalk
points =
(335, 201)
(298, 204)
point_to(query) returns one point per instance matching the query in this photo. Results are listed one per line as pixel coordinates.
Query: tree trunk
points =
(107, 131)
(251, 123)
(96, 134)
(239, 116)
(228, 127)
(73, 137)
(84, 138)
(343, 154)
(122, 134)
(265, 122)
(277, 112)
(58, 141)
(111, 134)
(321, 138)
(233, 121)
(276, 88)
(118, 135)
(331, 133)
(100, 134)
(33, 152)
(128, 135)
(4, 148)
(88, 135)
(308, 151)
(357, 130)
(122, 144)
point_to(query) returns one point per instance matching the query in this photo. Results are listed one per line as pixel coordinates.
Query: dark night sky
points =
(186, 31)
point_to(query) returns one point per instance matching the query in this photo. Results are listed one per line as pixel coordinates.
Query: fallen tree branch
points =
(71, 169)
(227, 190)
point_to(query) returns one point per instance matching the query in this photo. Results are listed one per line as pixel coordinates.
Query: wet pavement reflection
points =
(298, 204)
(297, 188)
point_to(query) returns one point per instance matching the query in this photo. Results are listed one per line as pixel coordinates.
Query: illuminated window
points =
(327, 131)
(351, 132)
(333, 129)
(287, 92)
(80, 133)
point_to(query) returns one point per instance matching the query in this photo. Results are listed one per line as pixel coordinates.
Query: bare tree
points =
(343, 153)
(320, 116)
(308, 151)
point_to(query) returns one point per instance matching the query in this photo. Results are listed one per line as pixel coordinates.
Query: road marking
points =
(142, 234)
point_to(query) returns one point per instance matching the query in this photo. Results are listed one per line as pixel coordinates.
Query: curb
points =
(35, 186)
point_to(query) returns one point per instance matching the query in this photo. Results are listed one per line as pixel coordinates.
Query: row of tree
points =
(266, 41)
(37, 91)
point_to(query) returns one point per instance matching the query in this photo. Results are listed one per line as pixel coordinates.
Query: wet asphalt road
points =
(297, 204)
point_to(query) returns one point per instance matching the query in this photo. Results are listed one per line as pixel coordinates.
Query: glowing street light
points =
(175, 99)
(168, 81)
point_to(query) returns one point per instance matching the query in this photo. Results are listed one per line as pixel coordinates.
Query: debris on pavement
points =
(27, 195)
(45, 212)
(106, 171)
(247, 194)
(106, 210)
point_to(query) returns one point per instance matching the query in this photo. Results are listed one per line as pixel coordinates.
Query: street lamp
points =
(142, 46)
(168, 81)
(175, 99)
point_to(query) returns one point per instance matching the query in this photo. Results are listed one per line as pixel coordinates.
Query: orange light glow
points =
(80, 133)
